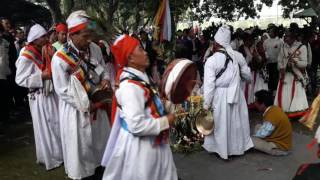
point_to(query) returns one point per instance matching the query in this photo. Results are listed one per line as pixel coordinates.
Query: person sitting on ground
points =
(274, 136)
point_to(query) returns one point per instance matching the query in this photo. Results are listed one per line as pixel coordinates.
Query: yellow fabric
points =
(310, 118)
(282, 134)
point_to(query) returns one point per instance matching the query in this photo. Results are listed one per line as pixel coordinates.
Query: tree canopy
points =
(21, 11)
(123, 14)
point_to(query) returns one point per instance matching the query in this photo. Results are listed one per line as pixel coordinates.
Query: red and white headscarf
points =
(77, 21)
(61, 27)
(121, 49)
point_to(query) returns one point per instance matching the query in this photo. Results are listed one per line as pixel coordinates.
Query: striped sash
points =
(32, 54)
(76, 69)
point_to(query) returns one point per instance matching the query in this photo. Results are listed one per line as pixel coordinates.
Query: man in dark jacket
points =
(17, 93)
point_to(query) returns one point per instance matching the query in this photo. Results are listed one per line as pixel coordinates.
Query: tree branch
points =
(315, 4)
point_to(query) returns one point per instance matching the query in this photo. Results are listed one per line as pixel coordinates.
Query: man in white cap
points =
(78, 70)
(32, 73)
(222, 94)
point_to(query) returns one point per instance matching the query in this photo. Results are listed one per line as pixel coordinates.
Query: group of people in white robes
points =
(68, 127)
(227, 69)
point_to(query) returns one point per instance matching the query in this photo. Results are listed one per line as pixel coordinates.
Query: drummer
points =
(138, 146)
(84, 128)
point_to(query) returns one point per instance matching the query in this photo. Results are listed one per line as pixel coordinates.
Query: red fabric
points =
(97, 106)
(78, 28)
(48, 52)
(297, 114)
(252, 106)
(293, 89)
(311, 144)
(37, 55)
(162, 21)
(280, 93)
(61, 28)
(302, 168)
(71, 64)
(121, 51)
(306, 116)
(113, 109)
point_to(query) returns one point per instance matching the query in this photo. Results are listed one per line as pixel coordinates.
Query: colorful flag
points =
(162, 22)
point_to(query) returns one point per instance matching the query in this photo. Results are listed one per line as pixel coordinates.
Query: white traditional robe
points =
(83, 138)
(292, 99)
(231, 135)
(44, 112)
(131, 154)
(257, 83)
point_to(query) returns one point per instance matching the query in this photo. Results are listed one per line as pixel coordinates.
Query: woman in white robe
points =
(252, 56)
(231, 135)
(291, 94)
(44, 108)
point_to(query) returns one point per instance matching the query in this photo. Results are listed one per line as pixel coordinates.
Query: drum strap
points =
(153, 101)
(137, 80)
(228, 59)
(150, 87)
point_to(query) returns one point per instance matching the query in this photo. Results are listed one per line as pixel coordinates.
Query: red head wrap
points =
(121, 49)
(61, 27)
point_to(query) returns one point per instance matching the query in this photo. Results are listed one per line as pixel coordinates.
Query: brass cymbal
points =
(205, 122)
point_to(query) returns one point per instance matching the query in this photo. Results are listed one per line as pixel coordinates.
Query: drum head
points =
(184, 81)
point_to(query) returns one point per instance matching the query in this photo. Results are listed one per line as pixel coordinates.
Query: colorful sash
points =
(47, 54)
(74, 62)
(32, 54)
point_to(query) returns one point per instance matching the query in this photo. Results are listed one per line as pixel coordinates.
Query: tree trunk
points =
(54, 7)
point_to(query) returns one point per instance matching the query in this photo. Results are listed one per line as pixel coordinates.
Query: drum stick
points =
(182, 114)
(196, 81)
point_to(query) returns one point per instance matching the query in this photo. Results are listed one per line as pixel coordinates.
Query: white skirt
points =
(292, 98)
(231, 134)
(136, 157)
(256, 85)
(83, 140)
(45, 119)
